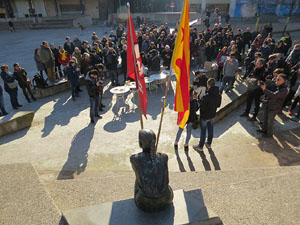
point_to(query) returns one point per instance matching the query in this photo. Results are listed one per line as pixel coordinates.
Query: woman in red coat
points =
(221, 58)
(64, 57)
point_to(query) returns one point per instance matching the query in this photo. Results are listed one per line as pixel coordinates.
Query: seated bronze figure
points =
(152, 192)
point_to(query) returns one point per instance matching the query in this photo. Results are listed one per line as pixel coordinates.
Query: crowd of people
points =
(272, 67)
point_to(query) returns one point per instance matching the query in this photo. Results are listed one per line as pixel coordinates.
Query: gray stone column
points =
(232, 8)
(203, 6)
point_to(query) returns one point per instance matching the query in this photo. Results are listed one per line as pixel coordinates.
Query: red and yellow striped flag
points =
(181, 65)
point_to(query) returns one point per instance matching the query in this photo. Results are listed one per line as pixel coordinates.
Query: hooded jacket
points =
(209, 104)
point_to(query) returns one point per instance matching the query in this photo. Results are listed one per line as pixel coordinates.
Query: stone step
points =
(239, 197)
(24, 199)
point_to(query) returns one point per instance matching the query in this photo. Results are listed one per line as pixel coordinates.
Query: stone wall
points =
(92, 8)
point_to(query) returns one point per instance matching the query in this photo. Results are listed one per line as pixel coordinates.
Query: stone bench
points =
(19, 121)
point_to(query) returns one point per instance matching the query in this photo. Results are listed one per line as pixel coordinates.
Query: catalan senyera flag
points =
(140, 82)
(181, 65)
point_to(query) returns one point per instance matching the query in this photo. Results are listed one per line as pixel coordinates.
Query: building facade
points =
(101, 9)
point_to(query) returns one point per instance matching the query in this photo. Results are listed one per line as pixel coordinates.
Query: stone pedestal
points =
(188, 208)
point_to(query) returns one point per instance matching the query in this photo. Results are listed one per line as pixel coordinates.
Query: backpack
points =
(39, 82)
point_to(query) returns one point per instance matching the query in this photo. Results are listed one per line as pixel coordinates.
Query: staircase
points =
(54, 23)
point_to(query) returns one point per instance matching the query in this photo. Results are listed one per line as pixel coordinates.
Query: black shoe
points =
(186, 148)
(103, 106)
(5, 113)
(80, 90)
(29, 100)
(175, 147)
(98, 116)
(253, 118)
(267, 135)
(261, 131)
(244, 114)
(100, 109)
(92, 121)
(19, 106)
(15, 107)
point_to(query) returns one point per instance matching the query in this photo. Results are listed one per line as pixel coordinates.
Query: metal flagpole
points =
(164, 106)
(134, 63)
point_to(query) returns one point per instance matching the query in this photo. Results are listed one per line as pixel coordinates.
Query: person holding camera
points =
(274, 103)
(93, 91)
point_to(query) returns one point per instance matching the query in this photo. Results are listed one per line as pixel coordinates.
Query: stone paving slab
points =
(24, 199)
(187, 207)
(252, 196)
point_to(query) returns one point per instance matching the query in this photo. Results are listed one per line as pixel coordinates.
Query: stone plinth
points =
(188, 208)
(19, 121)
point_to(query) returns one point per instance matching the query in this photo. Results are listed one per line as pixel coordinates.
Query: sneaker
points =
(207, 145)
(198, 148)
(244, 114)
(290, 112)
(295, 119)
(297, 148)
(5, 113)
(176, 146)
(186, 148)
(100, 109)
(98, 116)
(92, 121)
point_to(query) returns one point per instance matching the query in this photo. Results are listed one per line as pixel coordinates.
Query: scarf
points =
(63, 55)
(98, 50)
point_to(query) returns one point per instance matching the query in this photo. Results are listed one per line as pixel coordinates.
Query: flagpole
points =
(134, 63)
(164, 106)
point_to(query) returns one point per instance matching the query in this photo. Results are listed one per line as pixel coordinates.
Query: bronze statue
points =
(152, 192)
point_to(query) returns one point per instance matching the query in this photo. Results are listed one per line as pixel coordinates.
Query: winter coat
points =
(220, 58)
(113, 63)
(193, 109)
(77, 43)
(209, 104)
(85, 65)
(55, 52)
(78, 57)
(93, 90)
(8, 78)
(72, 75)
(38, 62)
(229, 69)
(201, 81)
(69, 48)
(64, 60)
(47, 57)
(21, 77)
(265, 50)
(276, 99)
(154, 63)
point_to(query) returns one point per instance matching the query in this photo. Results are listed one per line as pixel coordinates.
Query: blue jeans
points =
(209, 125)
(188, 133)
(2, 104)
(13, 94)
(94, 107)
(227, 81)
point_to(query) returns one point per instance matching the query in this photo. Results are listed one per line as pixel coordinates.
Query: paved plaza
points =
(63, 144)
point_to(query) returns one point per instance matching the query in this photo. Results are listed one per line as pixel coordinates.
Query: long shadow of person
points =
(214, 159)
(204, 161)
(180, 164)
(78, 154)
(191, 165)
(63, 112)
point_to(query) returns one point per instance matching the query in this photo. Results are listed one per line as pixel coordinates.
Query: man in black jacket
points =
(274, 104)
(93, 90)
(254, 90)
(208, 109)
(21, 76)
(111, 61)
(69, 46)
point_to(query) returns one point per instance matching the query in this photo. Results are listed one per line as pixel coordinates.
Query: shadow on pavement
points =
(78, 154)
(180, 164)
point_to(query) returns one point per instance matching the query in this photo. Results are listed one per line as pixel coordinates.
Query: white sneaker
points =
(297, 148)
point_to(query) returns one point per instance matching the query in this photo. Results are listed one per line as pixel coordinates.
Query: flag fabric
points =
(181, 65)
(140, 82)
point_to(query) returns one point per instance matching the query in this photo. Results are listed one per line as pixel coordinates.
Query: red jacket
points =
(219, 57)
(65, 61)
